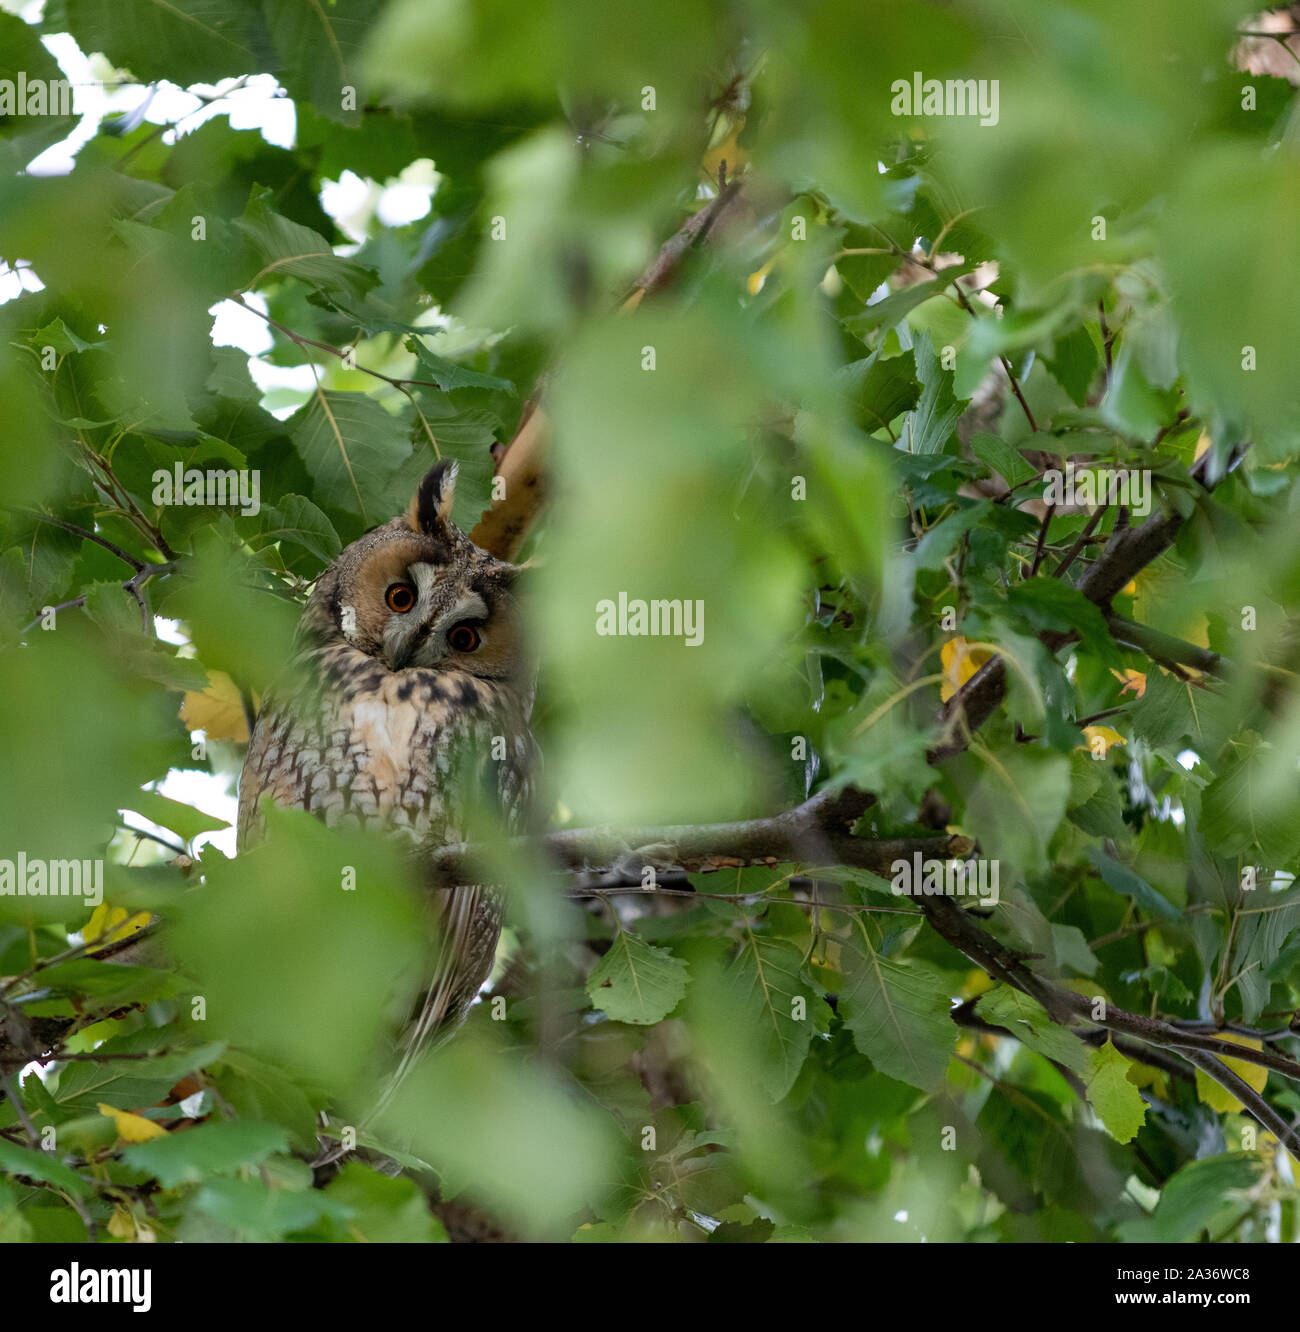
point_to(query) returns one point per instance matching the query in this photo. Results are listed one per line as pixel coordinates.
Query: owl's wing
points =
(470, 923)
(252, 784)
(271, 768)
(469, 915)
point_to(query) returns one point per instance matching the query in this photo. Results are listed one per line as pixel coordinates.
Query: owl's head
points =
(418, 592)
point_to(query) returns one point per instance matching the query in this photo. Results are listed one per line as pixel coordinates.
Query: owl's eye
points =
(400, 598)
(463, 638)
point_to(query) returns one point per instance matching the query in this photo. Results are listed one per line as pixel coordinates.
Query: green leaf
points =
(636, 982)
(129, 1082)
(891, 310)
(1230, 294)
(261, 1091)
(1015, 799)
(535, 1159)
(448, 375)
(40, 1165)
(739, 1232)
(180, 818)
(256, 1212)
(771, 993)
(186, 41)
(1241, 814)
(1005, 459)
(189, 1156)
(1047, 603)
(1116, 1100)
(1163, 716)
(271, 984)
(1131, 405)
(1104, 1070)
(353, 449)
(879, 388)
(939, 541)
(898, 1014)
(1074, 363)
(1195, 1200)
(284, 248)
(1123, 880)
(296, 519)
(1028, 1022)
(929, 427)
(58, 335)
(319, 46)
(109, 983)
(383, 1210)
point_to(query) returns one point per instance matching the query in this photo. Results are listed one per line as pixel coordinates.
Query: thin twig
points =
(82, 532)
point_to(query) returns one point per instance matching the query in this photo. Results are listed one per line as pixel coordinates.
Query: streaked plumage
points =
(387, 711)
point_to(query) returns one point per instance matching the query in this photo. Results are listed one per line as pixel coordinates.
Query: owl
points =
(408, 676)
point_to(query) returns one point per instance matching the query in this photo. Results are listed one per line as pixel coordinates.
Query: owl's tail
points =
(470, 927)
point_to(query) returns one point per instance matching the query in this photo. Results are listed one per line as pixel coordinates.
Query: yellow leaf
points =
(120, 1224)
(108, 924)
(131, 1128)
(754, 282)
(976, 982)
(1100, 738)
(1088, 988)
(1253, 1075)
(729, 152)
(1153, 594)
(1143, 1075)
(960, 662)
(218, 711)
(1134, 680)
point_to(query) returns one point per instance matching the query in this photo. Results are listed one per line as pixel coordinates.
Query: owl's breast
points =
(400, 740)
(384, 754)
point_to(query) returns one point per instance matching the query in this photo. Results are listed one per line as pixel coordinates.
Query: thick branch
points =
(814, 833)
(502, 527)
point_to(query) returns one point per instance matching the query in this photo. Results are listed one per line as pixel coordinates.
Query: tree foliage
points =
(827, 416)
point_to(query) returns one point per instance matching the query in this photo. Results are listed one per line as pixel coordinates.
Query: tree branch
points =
(1064, 1006)
(1164, 648)
(814, 833)
(1127, 553)
(502, 527)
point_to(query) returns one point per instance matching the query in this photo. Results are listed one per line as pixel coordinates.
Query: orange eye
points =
(400, 598)
(463, 638)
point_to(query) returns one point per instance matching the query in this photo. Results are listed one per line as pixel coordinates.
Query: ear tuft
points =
(513, 575)
(430, 508)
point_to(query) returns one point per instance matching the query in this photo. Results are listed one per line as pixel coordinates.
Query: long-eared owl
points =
(408, 674)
